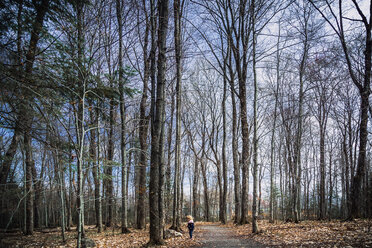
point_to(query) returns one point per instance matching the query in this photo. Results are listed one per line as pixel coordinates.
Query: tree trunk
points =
(168, 173)
(124, 214)
(38, 189)
(79, 124)
(330, 188)
(223, 212)
(356, 185)
(235, 153)
(60, 179)
(109, 166)
(272, 149)
(370, 196)
(182, 178)
(195, 202)
(155, 200)
(364, 91)
(27, 112)
(176, 224)
(149, 70)
(206, 197)
(297, 156)
(29, 186)
(255, 127)
(8, 157)
(363, 85)
(124, 201)
(70, 205)
(95, 154)
(322, 200)
(161, 177)
(220, 190)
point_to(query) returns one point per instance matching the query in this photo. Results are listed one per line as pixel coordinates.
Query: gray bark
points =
(176, 224)
(255, 127)
(155, 200)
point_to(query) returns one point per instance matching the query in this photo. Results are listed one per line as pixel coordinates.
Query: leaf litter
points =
(335, 233)
(108, 238)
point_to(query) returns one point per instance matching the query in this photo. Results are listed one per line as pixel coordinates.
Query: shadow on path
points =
(219, 236)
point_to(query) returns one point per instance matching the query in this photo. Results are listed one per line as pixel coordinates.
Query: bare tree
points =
(334, 14)
(157, 123)
(124, 214)
(177, 6)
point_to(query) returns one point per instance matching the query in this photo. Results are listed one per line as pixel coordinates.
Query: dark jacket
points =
(190, 226)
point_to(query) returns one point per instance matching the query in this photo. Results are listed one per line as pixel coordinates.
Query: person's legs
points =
(190, 232)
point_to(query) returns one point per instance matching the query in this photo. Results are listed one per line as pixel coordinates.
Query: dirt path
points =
(219, 236)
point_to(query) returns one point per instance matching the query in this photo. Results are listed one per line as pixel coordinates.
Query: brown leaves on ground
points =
(356, 233)
(108, 238)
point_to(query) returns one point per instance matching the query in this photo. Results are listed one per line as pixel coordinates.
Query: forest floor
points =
(210, 236)
(356, 233)
(109, 238)
(334, 233)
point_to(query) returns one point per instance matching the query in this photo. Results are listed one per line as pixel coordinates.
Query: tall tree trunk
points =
(124, 214)
(60, 179)
(205, 187)
(161, 177)
(157, 126)
(195, 202)
(370, 196)
(149, 70)
(272, 149)
(109, 166)
(79, 123)
(168, 173)
(38, 189)
(255, 127)
(176, 224)
(343, 181)
(182, 178)
(26, 109)
(29, 186)
(235, 153)
(330, 188)
(98, 185)
(240, 52)
(282, 183)
(220, 189)
(364, 91)
(223, 211)
(297, 156)
(94, 155)
(245, 151)
(124, 201)
(356, 185)
(70, 198)
(322, 165)
(347, 175)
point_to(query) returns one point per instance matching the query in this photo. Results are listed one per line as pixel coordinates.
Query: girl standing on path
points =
(190, 225)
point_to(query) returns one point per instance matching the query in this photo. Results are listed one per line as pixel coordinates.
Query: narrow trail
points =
(219, 236)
